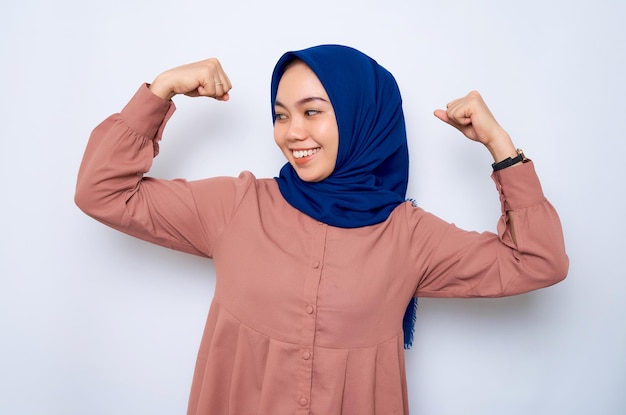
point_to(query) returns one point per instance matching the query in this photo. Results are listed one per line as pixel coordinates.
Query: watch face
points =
(521, 154)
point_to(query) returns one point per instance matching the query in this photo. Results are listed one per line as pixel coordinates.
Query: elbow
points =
(101, 203)
(88, 201)
(548, 259)
(83, 199)
(538, 272)
(553, 270)
(560, 268)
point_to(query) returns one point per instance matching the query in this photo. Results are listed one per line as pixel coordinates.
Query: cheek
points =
(279, 138)
(331, 136)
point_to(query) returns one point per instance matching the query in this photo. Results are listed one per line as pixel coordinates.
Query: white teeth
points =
(304, 153)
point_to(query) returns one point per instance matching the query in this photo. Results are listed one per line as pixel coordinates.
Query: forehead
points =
(299, 80)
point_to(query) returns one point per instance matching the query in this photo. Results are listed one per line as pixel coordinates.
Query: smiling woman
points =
(305, 127)
(315, 268)
(371, 171)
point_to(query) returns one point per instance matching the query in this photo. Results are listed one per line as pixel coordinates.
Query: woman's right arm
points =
(111, 186)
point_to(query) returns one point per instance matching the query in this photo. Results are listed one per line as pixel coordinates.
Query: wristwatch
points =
(509, 161)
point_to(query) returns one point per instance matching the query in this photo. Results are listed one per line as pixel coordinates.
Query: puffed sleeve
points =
(527, 253)
(112, 188)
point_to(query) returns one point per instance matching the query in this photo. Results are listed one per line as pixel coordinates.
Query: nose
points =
(296, 131)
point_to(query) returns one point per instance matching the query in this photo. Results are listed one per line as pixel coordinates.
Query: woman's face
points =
(305, 128)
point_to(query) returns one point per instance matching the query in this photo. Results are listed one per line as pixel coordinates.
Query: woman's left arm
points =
(528, 251)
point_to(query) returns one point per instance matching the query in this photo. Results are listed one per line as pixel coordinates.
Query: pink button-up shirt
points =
(307, 317)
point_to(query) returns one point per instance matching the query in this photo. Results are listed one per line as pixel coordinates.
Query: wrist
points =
(161, 89)
(501, 147)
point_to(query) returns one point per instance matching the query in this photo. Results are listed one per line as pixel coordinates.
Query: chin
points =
(310, 178)
(309, 173)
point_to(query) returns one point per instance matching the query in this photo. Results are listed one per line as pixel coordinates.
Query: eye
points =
(280, 117)
(310, 113)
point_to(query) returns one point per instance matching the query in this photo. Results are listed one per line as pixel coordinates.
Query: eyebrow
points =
(302, 101)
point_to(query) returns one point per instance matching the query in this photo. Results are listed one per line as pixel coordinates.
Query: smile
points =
(298, 154)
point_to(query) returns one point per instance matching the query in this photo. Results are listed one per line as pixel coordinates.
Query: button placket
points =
(309, 315)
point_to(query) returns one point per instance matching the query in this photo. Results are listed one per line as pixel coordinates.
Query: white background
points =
(94, 322)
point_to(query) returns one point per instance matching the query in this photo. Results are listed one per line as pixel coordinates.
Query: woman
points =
(316, 267)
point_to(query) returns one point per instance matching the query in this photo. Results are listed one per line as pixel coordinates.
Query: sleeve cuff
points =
(519, 186)
(147, 114)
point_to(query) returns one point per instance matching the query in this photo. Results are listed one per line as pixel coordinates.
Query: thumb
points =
(442, 115)
(224, 97)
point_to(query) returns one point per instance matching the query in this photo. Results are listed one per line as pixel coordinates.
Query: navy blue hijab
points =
(371, 172)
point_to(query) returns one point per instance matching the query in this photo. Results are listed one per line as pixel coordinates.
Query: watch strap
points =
(509, 161)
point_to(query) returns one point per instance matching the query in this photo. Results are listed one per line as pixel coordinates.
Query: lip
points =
(303, 160)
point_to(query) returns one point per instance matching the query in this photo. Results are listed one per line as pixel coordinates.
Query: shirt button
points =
(306, 355)
(303, 401)
(316, 264)
(309, 309)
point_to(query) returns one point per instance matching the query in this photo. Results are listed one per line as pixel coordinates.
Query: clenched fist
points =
(205, 78)
(472, 117)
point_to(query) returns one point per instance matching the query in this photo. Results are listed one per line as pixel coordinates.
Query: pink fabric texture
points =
(306, 317)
